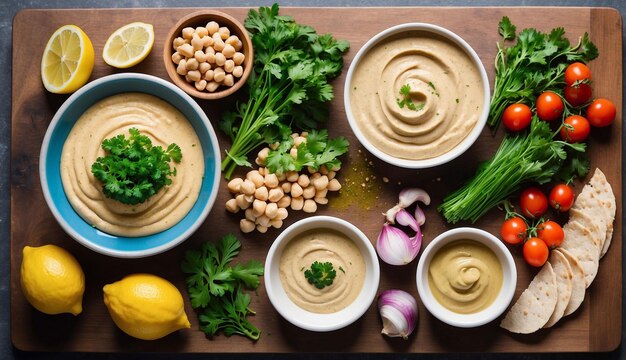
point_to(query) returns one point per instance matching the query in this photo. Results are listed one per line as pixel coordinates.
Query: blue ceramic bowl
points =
(50, 172)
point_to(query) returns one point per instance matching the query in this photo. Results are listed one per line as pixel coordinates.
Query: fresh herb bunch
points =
(530, 157)
(288, 85)
(217, 289)
(316, 151)
(133, 169)
(405, 92)
(320, 274)
(536, 63)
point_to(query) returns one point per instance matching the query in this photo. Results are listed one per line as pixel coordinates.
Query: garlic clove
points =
(409, 196)
(405, 219)
(420, 217)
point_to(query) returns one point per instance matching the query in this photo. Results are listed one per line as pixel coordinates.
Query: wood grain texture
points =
(596, 326)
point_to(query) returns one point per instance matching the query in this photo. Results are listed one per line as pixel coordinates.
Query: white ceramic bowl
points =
(314, 321)
(502, 301)
(458, 149)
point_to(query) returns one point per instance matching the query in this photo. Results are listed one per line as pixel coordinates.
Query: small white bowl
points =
(313, 321)
(459, 148)
(502, 301)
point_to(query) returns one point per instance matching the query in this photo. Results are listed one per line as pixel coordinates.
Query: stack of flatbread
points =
(559, 287)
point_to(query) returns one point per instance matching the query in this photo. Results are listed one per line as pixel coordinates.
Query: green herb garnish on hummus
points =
(320, 274)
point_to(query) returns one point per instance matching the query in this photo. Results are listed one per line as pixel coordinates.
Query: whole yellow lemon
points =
(52, 280)
(146, 306)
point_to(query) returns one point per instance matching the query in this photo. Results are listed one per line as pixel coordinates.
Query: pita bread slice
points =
(596, 224)
(579, 242)
(578, 282)
(564, 276)
(536, 304)
(604, 193)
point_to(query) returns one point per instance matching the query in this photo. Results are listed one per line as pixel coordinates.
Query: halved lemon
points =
(128, 45)
(67, 60)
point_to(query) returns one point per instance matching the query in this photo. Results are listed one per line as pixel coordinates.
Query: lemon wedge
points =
(67, 60)
(128, 45)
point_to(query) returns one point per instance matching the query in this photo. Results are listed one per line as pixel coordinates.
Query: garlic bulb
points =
(398, 310)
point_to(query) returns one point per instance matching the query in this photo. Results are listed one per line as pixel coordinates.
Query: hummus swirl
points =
(164, 125)
(465, 276)
(444, 82)
(322, 245)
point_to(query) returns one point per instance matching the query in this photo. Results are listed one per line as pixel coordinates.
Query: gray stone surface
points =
(8, 9)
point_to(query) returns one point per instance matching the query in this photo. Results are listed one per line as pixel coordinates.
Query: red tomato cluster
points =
(529, 227)
(550, 107)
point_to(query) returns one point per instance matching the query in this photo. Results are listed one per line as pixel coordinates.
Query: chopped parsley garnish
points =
(320, 274)
(134, 169)
(405, 92)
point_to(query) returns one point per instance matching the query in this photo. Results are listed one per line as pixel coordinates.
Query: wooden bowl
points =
(201, 18)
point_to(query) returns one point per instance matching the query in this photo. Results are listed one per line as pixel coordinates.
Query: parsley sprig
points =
(133, 169)
(289, 85)
(536, 63)
(320, 274)
(316, 151)
(406, 100)
(216, 288)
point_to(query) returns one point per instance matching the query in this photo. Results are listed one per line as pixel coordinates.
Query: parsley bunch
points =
(133, 169)
(320, 274)
(316, 151)
(536, 63)
(217, 289)
(532, 156)
(288, 85)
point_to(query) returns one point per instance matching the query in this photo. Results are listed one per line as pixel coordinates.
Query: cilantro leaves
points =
(536, 63)
(405, 92)
(217, 289)
(316, 151)
(288, 85)
(320, 274)
(133, 169)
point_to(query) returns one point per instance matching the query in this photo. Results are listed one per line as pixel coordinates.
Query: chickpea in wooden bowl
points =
(208, 54)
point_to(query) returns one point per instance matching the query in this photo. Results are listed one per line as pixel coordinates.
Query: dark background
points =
(8, 9)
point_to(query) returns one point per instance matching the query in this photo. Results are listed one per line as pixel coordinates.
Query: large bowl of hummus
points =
(322, 273)
(109, 107)
(416, 95)
(466, 277)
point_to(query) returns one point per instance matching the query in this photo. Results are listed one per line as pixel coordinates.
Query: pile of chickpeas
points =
(208, 56)
(265, 197)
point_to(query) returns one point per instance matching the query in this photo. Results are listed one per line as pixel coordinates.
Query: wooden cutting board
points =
(596, 326)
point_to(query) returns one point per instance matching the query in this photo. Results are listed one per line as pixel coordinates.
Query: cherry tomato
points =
(575, 129)
(535, 252)
(533, 202)
(549, 106)
(551, 233)
(562, 197)
(577, 72)
(577, 95)
(516, 117)
(601, 112)
(513, 230)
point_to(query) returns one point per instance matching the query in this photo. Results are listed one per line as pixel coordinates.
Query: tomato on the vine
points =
(549, 106)
(577, 72)
(601, 112)
(516, 117)
(575, 129)
(533, 202)
(535, 252)
(577, 95)
(562, 197)
(551, 233)
(513, 230)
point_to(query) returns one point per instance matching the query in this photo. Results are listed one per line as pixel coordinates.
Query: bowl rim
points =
(322, 322)
(44, 176)
(189, 88)
(460, 148)
(502, 301)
